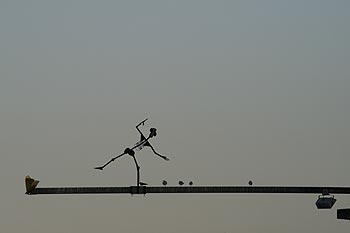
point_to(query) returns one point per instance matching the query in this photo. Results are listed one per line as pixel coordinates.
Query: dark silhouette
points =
(139, 145)
(164, 182)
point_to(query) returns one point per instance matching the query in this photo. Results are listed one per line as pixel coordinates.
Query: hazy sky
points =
(238, 90)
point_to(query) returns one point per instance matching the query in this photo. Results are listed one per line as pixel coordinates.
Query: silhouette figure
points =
(139, 145)
(164, 182)
(181, 182)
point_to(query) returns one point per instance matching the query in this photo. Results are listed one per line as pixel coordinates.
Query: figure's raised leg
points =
(111, 160)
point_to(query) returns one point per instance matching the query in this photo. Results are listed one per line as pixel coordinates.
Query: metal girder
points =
(192, 189)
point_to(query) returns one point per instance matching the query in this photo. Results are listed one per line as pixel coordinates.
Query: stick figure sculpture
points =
(139, 145)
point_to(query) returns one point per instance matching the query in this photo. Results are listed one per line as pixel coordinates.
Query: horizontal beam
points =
(193, 189)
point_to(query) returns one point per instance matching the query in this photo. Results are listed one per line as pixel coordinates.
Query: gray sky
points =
(238, 90)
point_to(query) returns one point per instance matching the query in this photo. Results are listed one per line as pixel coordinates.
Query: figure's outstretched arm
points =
(111, 160)
(137, 127)
(142, 122)
(155, 152)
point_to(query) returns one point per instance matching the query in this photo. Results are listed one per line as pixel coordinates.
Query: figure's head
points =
(153, 132)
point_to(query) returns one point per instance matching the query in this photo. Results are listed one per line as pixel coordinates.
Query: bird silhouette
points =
(190, 183)
(164, 182)
(181, 182)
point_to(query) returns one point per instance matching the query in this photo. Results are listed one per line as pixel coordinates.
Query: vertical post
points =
(138, 179)
(137, 173)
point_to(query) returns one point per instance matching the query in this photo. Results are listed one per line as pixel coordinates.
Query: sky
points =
(238, 91)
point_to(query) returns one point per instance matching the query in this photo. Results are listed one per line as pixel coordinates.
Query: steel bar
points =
(193, 189)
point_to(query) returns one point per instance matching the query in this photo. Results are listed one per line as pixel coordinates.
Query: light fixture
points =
(325, 201)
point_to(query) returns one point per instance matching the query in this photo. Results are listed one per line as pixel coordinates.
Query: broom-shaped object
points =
(30, 184)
